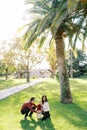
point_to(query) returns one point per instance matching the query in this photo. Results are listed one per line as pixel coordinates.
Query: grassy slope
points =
(4, 84)
(63, 116)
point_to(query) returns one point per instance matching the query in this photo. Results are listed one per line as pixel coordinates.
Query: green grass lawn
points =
(4, 84)
(63, 116)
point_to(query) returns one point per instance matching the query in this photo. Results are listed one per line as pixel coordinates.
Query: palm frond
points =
(79, 27)
(72, 4)
(28, 42)
(58, 21)
(43, 39)
(59, 17)
(54, 14)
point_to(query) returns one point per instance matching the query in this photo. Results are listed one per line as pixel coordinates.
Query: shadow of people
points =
(33, 124)
(46, 125)
(28, 124)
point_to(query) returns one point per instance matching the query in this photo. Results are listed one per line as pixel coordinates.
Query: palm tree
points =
(54, 16)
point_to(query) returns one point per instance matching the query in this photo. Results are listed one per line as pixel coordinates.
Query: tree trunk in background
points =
(71, 63)
(28, 75)
(65, 94)
(6, 73)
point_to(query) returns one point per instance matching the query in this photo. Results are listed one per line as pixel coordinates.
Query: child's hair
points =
(39, 101)
(45, 98)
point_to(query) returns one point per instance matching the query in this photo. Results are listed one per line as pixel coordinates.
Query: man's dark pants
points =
(26, 111)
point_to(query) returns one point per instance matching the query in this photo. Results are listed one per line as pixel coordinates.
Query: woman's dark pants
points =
(46, 115)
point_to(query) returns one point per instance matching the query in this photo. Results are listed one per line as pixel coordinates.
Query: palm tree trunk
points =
(65, 94)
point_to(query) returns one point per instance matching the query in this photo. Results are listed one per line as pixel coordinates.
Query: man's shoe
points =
(30, 115)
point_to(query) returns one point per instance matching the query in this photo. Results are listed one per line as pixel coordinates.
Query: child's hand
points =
(39, 112)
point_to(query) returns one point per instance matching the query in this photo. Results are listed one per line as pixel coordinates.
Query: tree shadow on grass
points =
(79, 84)
(39, 124)
(74, 114)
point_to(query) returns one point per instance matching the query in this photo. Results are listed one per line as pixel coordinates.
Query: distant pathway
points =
(10, 91)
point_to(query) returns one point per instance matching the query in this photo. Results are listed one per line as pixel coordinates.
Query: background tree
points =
(14, 58)
(52, 59)
(33, 58)
(2, 68)
(26, 59)
(79, 64)
(8, 61)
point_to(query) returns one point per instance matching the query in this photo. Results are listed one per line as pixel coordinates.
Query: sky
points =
(11, 17)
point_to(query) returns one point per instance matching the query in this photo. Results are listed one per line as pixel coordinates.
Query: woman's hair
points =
(32, 98)
(45, 99)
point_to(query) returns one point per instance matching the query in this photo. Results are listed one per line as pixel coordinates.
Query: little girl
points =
(39, 110)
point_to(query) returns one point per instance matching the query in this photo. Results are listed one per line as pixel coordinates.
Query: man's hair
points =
(32, 98)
